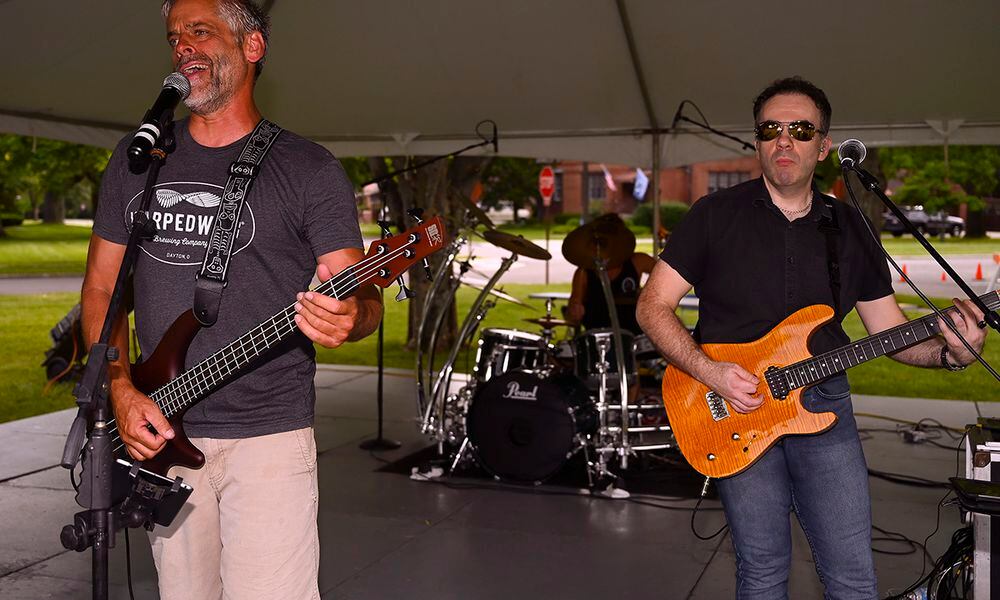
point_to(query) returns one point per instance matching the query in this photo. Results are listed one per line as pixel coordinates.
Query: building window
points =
(720, 180)
(557, 196)
(598, 189)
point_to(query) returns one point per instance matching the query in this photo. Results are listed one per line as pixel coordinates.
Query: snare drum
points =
(502, 350)
(588, 356)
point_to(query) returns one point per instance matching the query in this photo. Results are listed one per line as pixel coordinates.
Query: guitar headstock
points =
(389, 258)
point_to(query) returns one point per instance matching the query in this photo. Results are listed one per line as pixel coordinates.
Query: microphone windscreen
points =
(179, 82)
(852, 150)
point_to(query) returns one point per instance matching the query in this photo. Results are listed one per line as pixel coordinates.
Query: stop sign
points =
(547, 184)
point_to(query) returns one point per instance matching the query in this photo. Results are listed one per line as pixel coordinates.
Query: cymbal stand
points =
(454, 247)
(623, 449)
(439, 392)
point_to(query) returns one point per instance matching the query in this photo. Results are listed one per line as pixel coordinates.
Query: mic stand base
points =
(380, 444)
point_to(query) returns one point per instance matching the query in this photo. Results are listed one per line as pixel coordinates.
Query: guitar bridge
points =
(717, 406)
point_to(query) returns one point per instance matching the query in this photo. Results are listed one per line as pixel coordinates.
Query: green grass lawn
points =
(25, 322)
(36, 249)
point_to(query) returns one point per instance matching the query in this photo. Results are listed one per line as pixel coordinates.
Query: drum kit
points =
(533, 401)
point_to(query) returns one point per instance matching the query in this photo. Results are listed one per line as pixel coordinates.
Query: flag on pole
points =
(608, 181)
(641, 182)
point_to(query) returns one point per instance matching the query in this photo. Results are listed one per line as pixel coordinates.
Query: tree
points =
(513, 180)
(440, 189)
(945, 178)
(45, 172)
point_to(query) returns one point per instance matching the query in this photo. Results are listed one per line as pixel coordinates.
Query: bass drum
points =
(523, 427)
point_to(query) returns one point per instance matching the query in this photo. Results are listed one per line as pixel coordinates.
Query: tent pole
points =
(656, 192)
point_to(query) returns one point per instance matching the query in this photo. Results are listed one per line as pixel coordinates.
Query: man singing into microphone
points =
(249, 529)
(756, 253)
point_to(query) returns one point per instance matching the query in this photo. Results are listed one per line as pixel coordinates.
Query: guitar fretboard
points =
(220, 367)
(913, 332)
(225, 364)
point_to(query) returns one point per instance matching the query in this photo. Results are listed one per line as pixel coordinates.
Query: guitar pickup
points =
(717, 406)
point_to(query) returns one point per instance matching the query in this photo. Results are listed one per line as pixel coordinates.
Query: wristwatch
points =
(946, 364)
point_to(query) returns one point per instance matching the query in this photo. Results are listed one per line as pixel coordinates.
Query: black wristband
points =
(946, 364)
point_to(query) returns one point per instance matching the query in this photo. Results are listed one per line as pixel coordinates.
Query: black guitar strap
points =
(211, 279)
(828, 225)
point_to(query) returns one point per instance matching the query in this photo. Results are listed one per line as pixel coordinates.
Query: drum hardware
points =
(439, 279)
(443, 381)
(473, 214)
(516, 244)
(498, 293)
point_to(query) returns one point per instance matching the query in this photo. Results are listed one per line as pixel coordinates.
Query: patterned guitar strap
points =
(212, 279)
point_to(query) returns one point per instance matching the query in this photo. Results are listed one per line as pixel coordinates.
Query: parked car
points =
(939, 223)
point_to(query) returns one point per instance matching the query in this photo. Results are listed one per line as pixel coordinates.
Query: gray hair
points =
(243, 17)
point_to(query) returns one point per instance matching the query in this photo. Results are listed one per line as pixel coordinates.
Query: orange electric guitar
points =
(174, 390)
(719, 442)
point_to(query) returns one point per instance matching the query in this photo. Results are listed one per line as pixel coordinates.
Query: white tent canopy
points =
(368, 77)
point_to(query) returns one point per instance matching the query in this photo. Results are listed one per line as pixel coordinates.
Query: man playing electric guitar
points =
(250, 528)
(755, 254)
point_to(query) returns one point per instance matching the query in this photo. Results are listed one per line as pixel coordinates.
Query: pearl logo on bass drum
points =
(514, 392)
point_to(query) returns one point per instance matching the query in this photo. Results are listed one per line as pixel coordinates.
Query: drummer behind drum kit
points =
(532, 402)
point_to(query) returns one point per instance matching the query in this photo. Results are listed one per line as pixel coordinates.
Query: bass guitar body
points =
(718, 441)
(163, 365)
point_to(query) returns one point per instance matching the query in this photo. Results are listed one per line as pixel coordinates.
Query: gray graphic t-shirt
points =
(301, 207)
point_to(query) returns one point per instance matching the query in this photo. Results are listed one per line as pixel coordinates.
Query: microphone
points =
(495, 138)
(176, 87)
(851, 152)
(677, 115)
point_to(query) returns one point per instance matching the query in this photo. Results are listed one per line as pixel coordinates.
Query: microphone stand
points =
(379, 442)
(96, 526)
(870, 183)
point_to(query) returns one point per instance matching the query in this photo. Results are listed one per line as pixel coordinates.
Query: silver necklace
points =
(793, 213)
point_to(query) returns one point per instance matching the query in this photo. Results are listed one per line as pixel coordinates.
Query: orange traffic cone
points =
(902, 278)
(979, 271)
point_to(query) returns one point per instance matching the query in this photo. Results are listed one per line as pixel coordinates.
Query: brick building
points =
(680, 184)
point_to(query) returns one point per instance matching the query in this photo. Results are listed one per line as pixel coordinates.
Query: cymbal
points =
(516, 244)
(498, 293)
(473, 210)
(550, 295)
(606, 237)
(547, 322)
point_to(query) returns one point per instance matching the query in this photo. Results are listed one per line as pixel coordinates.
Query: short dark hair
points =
(795, 85)
(243, 17)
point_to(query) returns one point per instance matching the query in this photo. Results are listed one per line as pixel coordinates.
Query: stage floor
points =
(386, 536)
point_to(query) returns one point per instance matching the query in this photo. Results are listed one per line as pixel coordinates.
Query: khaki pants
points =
(249, 528)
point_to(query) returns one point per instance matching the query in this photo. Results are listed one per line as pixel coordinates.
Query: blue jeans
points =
(824, 479)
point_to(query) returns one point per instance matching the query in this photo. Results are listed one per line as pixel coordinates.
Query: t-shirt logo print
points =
(183, 213)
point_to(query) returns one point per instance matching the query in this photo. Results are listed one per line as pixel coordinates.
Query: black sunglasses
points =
(802, 131)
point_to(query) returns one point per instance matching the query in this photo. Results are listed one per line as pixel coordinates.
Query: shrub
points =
(671, 213)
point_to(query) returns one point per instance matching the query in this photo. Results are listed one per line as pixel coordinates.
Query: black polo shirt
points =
(751, 267)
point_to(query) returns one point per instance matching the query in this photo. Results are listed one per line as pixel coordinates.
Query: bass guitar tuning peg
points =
(384, 225)
(417, 214)
(404, 293)
(427, 270)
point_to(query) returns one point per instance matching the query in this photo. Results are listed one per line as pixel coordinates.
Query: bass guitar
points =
(719, 442)
(163, 378)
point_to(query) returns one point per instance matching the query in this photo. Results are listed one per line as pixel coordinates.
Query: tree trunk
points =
(53, 208)
(435, 188)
